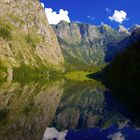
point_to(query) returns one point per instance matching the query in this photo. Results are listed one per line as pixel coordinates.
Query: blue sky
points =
(97, 11)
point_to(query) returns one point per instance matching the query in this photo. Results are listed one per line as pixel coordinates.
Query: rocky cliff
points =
(88, 44)
(26, 37)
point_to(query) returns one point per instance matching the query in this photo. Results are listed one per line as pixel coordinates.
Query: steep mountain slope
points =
(87, 44)
(122, 45)
(26, 37)
(122, 75)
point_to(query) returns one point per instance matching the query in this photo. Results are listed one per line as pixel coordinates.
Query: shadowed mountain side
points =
(122, 77)
(122, 45)
(26, 110)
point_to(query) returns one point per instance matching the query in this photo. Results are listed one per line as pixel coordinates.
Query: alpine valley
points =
(72, 77)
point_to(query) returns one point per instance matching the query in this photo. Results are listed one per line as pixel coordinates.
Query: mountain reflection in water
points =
(86, 105)
(82, 108)
(26, 109)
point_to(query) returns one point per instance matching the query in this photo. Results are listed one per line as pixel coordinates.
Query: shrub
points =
(32, 40)
(5, 32)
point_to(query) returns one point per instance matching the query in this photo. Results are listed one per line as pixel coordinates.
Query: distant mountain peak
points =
(105, 25)
(122, 29)
(63, 22)
(136, 34)
(134, 27)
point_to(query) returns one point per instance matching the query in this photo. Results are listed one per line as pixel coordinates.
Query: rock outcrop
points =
(26, 37)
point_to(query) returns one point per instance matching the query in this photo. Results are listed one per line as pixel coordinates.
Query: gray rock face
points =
(25, 35)
(122, 30)
(86, 43)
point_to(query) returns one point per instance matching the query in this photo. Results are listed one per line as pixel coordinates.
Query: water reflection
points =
(86, 105)
(26, 110)
(112, 133)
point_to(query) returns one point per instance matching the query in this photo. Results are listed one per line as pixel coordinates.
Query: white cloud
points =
(116, 136)
(108, 10)
(90, 17)
(52, 133)
(118, 16)
(54, 17)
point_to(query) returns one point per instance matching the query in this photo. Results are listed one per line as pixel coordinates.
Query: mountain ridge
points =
(87, 44)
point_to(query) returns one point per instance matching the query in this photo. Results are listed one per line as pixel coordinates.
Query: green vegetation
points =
(2, 72)
(26, 74)
(81, 61)
(79, 58)
(81, 75)
(78, 76)
(28, 108)
(32, 40)
(25, 71)
(3, 114)
(5, 31)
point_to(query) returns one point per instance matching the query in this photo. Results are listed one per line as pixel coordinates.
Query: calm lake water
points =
(61, 109)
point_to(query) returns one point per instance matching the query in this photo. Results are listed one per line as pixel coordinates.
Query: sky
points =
(96, 12)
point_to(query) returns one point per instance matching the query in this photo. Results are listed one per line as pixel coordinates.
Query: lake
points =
(62, 109)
